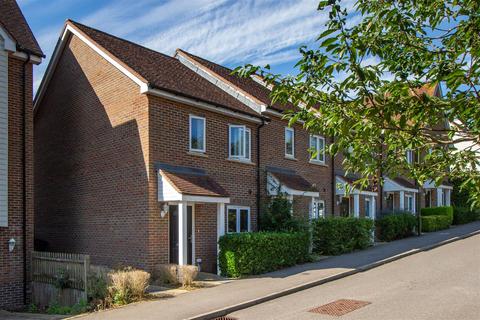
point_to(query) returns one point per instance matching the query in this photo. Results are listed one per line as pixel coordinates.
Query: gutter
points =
(24, 173)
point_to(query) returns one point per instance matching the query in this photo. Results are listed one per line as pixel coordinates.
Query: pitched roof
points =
(191, 181)
(404, 183)
(351, 179)
(291, 179)
(248, 85)
(13, 21)
(162, 71)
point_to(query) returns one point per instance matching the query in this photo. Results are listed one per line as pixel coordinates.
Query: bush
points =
(435, 223)
(463, 215)
(166, 274)
(278, 216)
(335, 235)
(395, 226)
(187, 275)
(438, 211)
(127, 285)
(259, 252)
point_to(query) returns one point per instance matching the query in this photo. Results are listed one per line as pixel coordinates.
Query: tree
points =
(363, 85)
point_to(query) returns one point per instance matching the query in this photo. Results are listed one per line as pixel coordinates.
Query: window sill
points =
(318, 163)
(197, 154)
(291, 158)
(247, 162)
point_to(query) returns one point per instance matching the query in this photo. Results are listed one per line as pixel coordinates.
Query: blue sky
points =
(229, 32)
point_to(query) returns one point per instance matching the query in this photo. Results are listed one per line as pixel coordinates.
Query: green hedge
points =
(435, 223)
(463, 215)
(335, 235)
(259, 252)
(395, 226)
(438, 211)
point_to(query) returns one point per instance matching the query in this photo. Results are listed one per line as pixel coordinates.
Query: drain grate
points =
(225, 318)
(339, 307)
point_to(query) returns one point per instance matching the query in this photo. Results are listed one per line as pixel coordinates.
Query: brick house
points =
(144, 159)
(137, 157)
(19, 51)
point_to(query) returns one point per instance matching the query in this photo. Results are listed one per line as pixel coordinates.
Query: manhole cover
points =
(225, 318)
(339, 307)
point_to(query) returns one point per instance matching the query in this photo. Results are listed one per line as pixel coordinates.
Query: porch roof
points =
(399, 184)
(188, 184)
(342, 180)
(290, 182)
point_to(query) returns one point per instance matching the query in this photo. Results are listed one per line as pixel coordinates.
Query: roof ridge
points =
(201, 58)
(121, 39)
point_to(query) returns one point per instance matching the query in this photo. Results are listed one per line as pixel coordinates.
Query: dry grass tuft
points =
(187, 275)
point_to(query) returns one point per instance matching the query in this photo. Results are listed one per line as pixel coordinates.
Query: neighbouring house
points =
(144, 159)
(19, 51)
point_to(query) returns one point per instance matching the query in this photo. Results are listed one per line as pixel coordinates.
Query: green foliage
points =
(395, 226)
(362, 85)
(32, 308)
(278, 216)
(463, 215)
(80, 307)
(435, 223)
(62, 280)
(260, 252)
(97, 287)
(438, 211)
(335, 235)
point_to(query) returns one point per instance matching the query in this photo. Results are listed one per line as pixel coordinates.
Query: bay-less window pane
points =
(367, 208)
(235, 142)
(197, 134)
(289, 142)
(243, 220)
(247, 144)
(232, 220)
(321, 146)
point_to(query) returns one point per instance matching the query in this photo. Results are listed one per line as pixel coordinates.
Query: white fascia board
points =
(341, 192)
(392, 186)
(222, 84)
(67, 30)
(33, 58)
(200, 104)
(431, 185)
(205, 199)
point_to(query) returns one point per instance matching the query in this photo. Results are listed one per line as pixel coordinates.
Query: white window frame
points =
(237, 214)
(409, 207)
(314, 207)
(245, 157)
(190, 118)
(409, 156)
(368, 204)
(288, 129)
(316, 159)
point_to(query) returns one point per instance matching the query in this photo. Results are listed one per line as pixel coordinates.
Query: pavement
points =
(240, 294)
(439, 284)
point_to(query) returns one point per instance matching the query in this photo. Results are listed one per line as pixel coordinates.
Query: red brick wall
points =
(91, 156)
(11, 263)
(169, 143)
(272, 141)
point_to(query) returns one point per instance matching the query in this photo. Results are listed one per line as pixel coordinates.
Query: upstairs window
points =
(239, 142)
(409, 156)
(289, 142)
(317, 147)
(197, 134)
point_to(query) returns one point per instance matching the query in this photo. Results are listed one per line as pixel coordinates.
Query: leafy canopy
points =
(362, 86)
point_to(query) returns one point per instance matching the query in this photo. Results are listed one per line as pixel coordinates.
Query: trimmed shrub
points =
(438, 211)
(395, 226)
(260, 252)
(435, 223)
(463, 215)
(337, 235)
(278, 216)
(187, 275)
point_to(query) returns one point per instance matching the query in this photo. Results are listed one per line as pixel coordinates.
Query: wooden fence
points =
(59, 277)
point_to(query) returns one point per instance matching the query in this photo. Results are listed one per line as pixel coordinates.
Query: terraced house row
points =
(144, 159)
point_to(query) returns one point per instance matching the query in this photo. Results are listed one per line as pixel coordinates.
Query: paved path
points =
(443, 283)
(205, 301)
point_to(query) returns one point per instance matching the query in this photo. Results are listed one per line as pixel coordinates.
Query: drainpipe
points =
(258, 173)
(24, 172)
(333, 186)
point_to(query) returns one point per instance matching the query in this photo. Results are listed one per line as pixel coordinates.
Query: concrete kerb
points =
(249, 303)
